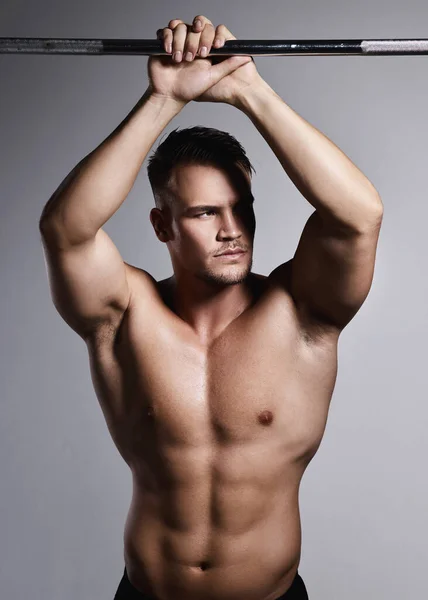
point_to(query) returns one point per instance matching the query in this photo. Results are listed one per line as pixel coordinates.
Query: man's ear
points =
(160, 221)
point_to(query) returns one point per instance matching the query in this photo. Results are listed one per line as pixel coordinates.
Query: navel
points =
(201, 566)
(265, 417)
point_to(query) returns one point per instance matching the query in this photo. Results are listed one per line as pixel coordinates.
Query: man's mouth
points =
(236, 252)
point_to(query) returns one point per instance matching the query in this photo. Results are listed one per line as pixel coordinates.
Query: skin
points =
(216, 396)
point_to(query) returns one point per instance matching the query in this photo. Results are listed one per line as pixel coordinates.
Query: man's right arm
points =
(96, 188)
(90, 284)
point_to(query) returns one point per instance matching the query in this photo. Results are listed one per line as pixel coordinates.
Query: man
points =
(215, 383)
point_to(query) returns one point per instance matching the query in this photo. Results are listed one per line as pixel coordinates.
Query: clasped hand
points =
(186, 75)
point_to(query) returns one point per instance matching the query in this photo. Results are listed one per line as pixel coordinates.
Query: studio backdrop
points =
(65, 490)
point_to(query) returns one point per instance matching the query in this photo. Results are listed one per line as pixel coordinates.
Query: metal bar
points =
(231, 47)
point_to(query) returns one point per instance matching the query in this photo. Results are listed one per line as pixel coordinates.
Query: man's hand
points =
(186, 80)
(229, 88)
(238, 72)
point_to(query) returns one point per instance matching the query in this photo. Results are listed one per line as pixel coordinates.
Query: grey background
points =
(65, 490)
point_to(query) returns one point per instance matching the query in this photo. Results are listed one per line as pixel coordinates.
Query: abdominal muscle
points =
(212, 538)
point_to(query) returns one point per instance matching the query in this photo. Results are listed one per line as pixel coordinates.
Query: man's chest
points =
(258, 382)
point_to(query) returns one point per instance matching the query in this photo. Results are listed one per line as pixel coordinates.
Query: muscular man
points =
(216, 382)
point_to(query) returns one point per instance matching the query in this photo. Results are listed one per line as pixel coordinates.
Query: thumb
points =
(227, 66)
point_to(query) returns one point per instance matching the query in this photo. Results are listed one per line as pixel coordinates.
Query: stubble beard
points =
(229, 275)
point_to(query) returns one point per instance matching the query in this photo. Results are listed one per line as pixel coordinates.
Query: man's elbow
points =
(374, 212)
(370, 213)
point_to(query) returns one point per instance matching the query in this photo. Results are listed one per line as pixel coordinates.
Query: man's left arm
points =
(332, 269)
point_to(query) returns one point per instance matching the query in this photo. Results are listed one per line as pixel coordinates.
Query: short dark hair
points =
(194, 145)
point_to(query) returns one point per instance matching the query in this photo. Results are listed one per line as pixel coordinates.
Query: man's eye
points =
(207, 212)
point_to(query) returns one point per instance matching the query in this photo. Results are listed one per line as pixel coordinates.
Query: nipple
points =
(266, 417)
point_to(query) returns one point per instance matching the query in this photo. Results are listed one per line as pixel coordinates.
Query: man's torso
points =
(217, 437)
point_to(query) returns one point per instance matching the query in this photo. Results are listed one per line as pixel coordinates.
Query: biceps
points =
(333, 269)
(88, 282)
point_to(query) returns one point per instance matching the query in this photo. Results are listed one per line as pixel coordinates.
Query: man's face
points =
(212, 212)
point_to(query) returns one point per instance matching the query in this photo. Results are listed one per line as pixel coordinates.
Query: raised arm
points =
(332, 270)
(90, 284)
(98, 185)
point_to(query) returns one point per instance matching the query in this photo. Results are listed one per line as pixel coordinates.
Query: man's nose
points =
(231, 227)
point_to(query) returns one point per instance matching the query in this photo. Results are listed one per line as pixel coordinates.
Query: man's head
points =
(206, 168)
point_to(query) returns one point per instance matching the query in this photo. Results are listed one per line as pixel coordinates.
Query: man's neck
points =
(206, 308)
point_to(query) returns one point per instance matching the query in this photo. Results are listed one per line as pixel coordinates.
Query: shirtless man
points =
(216, 382)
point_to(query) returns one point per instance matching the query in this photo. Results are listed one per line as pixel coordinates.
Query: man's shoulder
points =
(314, 331)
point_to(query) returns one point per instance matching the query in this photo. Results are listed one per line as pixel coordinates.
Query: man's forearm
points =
(325, 176)
(95, 189)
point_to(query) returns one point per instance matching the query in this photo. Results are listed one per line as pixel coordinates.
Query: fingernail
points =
(177, 56)
(189, 56)
(204, 51)
(198, 23)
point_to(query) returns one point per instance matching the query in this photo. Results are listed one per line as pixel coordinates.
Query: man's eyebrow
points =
(205, 207)
(200, 207)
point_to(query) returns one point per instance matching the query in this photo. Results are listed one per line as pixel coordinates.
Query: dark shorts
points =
(126, 591)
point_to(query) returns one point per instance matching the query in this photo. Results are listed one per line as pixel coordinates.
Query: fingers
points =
(165, 35)
(179, 37)
(222, 35)
(204, 26)
(185, 41)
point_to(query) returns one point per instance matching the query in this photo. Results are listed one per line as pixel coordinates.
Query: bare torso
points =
(217, 437)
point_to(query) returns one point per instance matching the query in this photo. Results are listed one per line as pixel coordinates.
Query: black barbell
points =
(231, 47)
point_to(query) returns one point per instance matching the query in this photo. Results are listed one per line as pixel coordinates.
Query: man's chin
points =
(227, 276)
